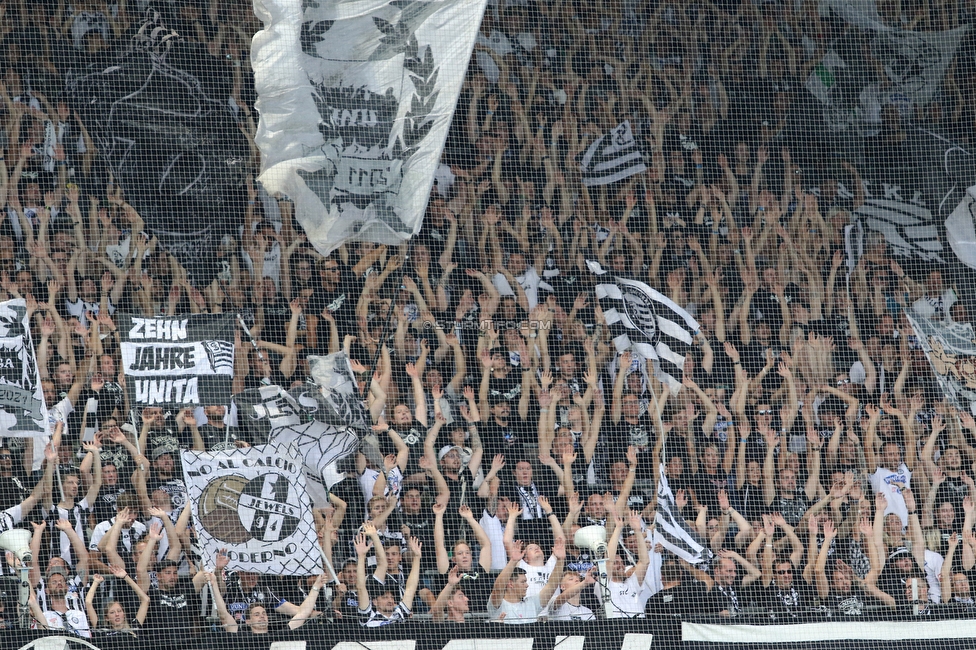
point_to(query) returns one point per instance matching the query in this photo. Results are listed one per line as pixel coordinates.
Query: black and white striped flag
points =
(648, 322)
(612, 157)
(672, 531)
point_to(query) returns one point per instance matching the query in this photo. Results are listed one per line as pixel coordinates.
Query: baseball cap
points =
(899, 552)
(445, 449)
(56, 570)
(160, 450)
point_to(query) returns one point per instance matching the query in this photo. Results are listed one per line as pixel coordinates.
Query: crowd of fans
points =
(809, 445)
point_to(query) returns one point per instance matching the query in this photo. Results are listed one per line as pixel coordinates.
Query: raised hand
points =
(829, 530)
(516, 551)
(361, 545)
(723, 500)
(559, 548)
(222, 560)
(118, 571)
(454, 576)
(634, 519)
(514, 510)
(414, 546)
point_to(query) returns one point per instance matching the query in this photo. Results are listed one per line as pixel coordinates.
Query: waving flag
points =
(672, 531)
(22, 410)
(612, 157)
(356, 100)
(648, 322)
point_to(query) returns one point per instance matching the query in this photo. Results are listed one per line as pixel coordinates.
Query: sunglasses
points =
(841, 382)
(765, 412)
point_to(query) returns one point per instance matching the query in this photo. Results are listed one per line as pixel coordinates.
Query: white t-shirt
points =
(10, 517)
(495, 530)
(73, 620)
(568, 612)
(529, 281)
(627, 598)
(78, 516)
(933, 571)
(891, 484)
(520, 613)
(127, 536)
(537, 576)
(270, 265)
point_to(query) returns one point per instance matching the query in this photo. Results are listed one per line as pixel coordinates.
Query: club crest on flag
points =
(254, 503)
(640, 309)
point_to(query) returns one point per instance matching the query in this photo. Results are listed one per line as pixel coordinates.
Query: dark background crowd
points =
(809, 446)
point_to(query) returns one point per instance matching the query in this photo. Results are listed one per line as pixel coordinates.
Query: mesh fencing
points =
(668, 341)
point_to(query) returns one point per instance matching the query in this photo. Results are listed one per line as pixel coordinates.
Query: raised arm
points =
(558, 550)
(362, 594)
(90, 600)
(413, 579)
(308, 605)
(515, 553)
(226, 619)
(484, 558)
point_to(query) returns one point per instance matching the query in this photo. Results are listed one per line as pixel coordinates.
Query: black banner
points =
(619, 634)
(162, 120)
(176, 362)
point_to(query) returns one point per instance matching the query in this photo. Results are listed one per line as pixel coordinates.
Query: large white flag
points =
(356, 99)
(22, 410)
(253, 503)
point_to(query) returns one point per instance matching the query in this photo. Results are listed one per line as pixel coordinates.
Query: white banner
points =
(961, 229)
(356, 99)
(951, 350)
(852, 92)
(253, 503)
(23, 413)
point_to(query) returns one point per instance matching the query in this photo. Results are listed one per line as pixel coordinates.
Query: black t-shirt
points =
(850, 604)
(340, 303)
(508, 388)
(120, 457)
(214, 437)
(422, 527)
(639, 434)
(413, 437)
(476, 585)
(172, 614)
(706, 488)
(498, 439)
(104, 506)
(785, 603)
(462, 493)
(953, 491)
(682, 601)
(732, 599)
(238, 599)
(174, 487)
(13, 489)
(792, 509)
